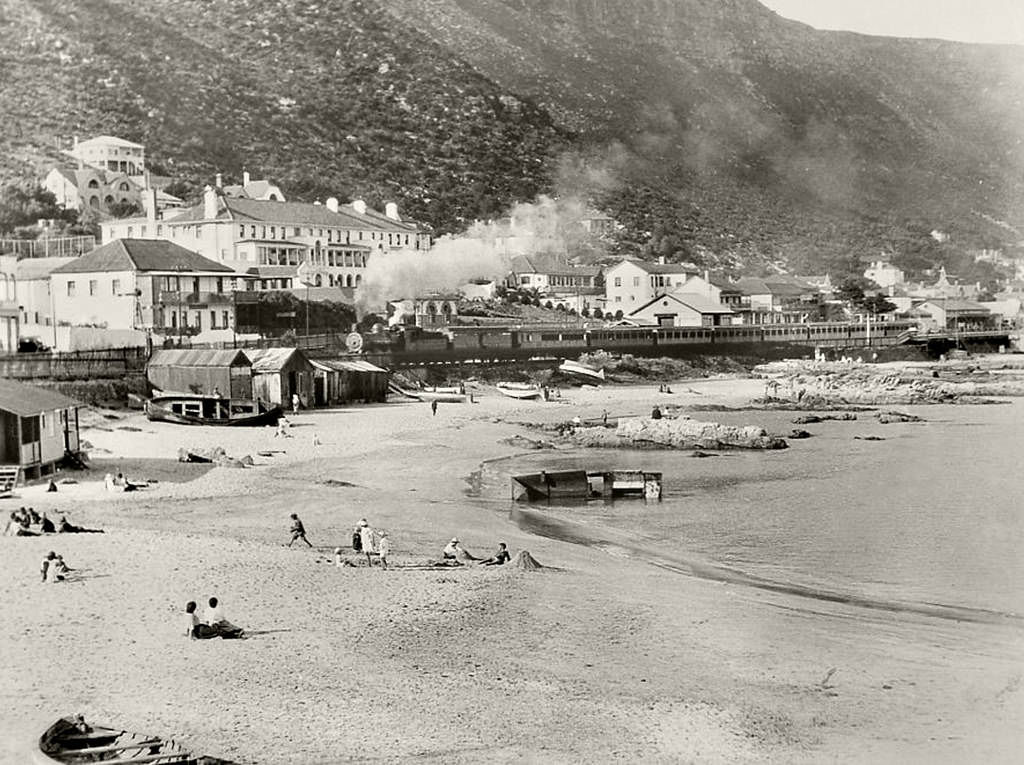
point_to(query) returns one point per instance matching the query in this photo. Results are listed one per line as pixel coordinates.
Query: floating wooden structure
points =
(586, 484)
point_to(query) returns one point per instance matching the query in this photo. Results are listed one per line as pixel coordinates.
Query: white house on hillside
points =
(145, 284)
(682, 310)
(630, 284)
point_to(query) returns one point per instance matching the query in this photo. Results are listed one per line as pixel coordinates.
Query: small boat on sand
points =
(197, 409)
(582, 372)
(586, 484)
(518, 390)
(72, 741)
(429, 395)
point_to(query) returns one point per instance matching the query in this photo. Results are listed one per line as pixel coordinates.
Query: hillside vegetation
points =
(713, 129)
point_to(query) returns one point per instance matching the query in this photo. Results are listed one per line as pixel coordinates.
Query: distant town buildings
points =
(882, 272)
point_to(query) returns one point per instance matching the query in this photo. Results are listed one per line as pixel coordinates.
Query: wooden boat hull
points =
(513, 390)
(583, 485)
(200, 410)
(586, 374)
(71, 742)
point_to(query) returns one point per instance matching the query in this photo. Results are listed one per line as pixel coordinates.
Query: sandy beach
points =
(599, 659)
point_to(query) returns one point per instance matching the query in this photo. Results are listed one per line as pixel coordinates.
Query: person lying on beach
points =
(63, 527)
(500, 558)
(214, 617)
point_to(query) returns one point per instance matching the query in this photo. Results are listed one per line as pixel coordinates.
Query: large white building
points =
(630, 284)
(112, 154)
(144, 284)
(268, 240)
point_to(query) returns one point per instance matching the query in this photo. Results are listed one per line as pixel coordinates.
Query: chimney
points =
(661, 260)
(149, 204)
(391, 210)
(332, 204)
(359, 206)
(245, 178)
(220, 181)
(209, 203)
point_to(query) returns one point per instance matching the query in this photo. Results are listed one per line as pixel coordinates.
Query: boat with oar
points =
(519, 390)
(197, 409)
(72, 741)
(582, 372)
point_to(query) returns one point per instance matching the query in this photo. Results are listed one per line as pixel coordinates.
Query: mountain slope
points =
(714, 129)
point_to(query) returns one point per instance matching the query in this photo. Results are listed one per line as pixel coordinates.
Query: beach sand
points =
(603, 659)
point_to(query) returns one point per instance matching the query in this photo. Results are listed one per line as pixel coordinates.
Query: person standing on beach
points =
(433, 407)
(366, 541)
(295, 403)
(383, 549)
(298, 531)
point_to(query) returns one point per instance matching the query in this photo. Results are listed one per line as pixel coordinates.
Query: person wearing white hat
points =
(366, 540)
(451, 550)
(383, 548)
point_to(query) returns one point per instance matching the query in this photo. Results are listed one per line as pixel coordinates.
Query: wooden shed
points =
(342, 381)
(278, 373)
(40, 427)
(201, 371)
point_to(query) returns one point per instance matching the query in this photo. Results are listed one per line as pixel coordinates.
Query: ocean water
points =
(930, 519)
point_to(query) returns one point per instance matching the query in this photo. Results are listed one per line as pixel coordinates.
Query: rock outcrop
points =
(676, 433)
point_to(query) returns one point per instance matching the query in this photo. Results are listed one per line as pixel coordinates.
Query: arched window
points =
(123, 186)
(348, 280)
(94, 184)
(359, 278)
(108, 201)
(94, 202)
(319, 281)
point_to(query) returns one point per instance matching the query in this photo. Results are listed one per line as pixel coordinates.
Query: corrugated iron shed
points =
(346, 365)
(271, 359)
(28, 400)
(183, 357)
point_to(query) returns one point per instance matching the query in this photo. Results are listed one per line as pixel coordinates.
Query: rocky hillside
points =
(715, 130)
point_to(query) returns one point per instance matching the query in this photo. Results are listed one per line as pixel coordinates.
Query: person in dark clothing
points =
(656, 413)
(47, 525)
(500, 558)
(298, 531)
(433, 407)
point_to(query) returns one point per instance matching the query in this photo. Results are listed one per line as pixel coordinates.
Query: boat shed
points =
(278, 373)
(342, 381)
(180, 370)
(40, 427)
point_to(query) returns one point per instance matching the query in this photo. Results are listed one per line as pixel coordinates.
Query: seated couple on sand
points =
(120, 482)
(53, 568)
(213, 624)
(455, 554)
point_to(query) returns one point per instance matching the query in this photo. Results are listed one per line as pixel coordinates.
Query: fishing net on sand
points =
(525, 561)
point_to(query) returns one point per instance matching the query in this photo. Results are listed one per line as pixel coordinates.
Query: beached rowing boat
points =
(582, 372)
(518, 390)
(587, 484)
(195, 409)
(72, 741)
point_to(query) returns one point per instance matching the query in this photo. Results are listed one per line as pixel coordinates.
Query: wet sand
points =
(607, 659)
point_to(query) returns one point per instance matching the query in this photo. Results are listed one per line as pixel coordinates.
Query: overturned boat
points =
(72, 741)
(582, 372)
(197, 409)
(519, 390)
(586, 484)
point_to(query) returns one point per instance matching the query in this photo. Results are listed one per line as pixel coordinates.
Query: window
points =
(129, 235)
(225, 319)
(618, 298)
(159, 229)
(241, 232)
(636, 281)
(213, 320)
(198, 231)
(115, 287)
(296, 231)
(618, 281)
(220, 284)
(71, 289)
(123, 186)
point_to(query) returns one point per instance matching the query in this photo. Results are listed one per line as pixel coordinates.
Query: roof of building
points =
(550, 264)
(695, 302)
(253, 190)
(81, 176)
(773, 285)
(109, 140)
(293, 214)
(658, 268)
(141, 255)
(186, 357)
(273, 359)
(346, 365)
(27, 400)
(38, 268)
(953, 305)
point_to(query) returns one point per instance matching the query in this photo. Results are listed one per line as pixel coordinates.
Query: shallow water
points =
(928, 520)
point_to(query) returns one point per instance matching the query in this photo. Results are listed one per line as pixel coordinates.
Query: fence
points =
(49, 247)
(105, 364)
